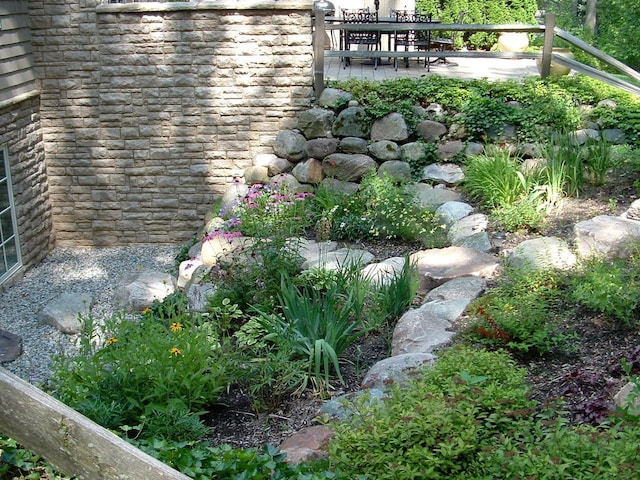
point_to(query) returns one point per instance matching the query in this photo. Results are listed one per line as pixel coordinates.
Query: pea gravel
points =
(68, 270)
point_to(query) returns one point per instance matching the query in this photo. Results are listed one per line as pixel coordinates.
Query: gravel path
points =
(67, 270)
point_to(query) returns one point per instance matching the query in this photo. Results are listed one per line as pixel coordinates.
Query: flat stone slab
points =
(64, 312)
(395, 369)
(439, 265)
(420, 331)
(10, 346)
(458, 288)
(138, 290)
(605, 235)
(307, 444)
(340, 258)
(382, 273)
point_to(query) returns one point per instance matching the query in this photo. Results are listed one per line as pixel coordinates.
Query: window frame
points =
(15, 238)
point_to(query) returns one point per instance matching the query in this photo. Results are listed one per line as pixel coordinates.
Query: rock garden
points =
(426, 279)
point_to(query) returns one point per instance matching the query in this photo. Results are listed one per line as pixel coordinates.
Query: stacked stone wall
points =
(149, 110)
(20, 132)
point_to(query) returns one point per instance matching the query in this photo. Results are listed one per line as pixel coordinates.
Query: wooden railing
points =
(71, 442)
(548, 29)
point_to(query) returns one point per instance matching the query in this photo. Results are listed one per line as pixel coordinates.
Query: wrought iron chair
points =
(410, 38)
(353, 36)
(444, 44)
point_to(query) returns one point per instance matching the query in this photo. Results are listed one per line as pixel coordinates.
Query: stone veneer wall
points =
(20, 132)
(148, 110)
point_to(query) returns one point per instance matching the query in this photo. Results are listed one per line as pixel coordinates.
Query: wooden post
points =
(318, 52)
(70, 441)
(547, 46)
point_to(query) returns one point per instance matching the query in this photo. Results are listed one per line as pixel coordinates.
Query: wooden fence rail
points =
(548, 29)
(70, 441)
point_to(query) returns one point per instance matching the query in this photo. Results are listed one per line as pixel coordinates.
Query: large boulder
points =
(605, 235)
(543, 253)
(290, 144)
(352, 122)
(348, 168)
(138, 290)
(391, 127)
(316, 122)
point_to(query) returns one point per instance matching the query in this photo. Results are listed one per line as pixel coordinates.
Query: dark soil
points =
(581, 383)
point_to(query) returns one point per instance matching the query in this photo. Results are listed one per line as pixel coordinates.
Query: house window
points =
(10, 258)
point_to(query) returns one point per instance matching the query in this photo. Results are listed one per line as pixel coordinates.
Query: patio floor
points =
(462, 67)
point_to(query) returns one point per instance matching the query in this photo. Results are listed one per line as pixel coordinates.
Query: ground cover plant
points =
(541, 352)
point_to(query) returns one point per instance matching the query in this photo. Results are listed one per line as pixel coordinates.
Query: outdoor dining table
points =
(384, 26)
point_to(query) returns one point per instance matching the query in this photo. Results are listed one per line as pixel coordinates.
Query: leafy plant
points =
(520, 312)
(608, 286)
(598, 161)
(203, 462)
(436, 424)
(524, 214)
(18, 462)
(128, 372)
(314, 325)
(494, 179)
(395, 295)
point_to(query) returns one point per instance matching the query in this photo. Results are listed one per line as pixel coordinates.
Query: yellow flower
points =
(176, 327)
(175, 351)
(146, 310)
(111, 341)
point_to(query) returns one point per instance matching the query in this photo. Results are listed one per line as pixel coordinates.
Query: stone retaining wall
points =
(149, 110)
(20, 132)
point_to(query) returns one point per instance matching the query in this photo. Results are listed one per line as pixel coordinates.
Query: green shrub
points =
(202, 462)
(148, 375)
(435, 426)
(17, 462)
(494, 179)
(524, 214)
(520, 313)
(609, 286)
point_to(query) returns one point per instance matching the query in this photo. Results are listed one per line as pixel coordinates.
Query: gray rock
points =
(478, 241)
(138, 290)
(64, 313)
(309, 443)
(10, 346)
(439, 265)
(608, 103)
(384, 150)
(431, 198)
(447, 173)
(352, 122)
(319, 148)
(458, 288)
(231, 196)
(431, 131)
(256, 174)
(308, 171)
(198, 296)
(450, 149)
(346, 188)
(385, 271)
(449, 310)
(605, 235)
(391, 127)
(413, 152)
(542, 253)
(473, 148)
(186, 270)
(396, 170)
(614, 135)
(348, 167)
(466, 227)
(580, 137)
(290, 144)
(333, 98)
(420, 331)
(343, 257)
(396, 369)
(288, 181)
(312, 250)
(633, 212)
(275, 165)
(316, 122)
(353, 145)
(624, 399)
(451, 212)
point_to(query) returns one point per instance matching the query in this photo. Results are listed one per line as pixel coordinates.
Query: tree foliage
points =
(480, 12)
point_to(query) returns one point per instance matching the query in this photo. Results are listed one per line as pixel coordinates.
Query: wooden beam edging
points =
(599, 54)
(70, 441)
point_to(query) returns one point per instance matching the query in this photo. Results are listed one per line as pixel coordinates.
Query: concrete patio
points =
(460, 67)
